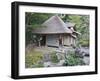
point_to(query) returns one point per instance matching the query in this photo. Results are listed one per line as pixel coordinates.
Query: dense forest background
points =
(34, 20)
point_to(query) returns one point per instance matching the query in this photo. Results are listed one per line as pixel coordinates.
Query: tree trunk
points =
(39, 43)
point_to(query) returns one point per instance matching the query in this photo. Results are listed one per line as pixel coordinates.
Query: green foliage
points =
(72, 59)
(32, 58)
(36, 18)
(84, 43)
(82, 26)
(54, 58)
(28, 35)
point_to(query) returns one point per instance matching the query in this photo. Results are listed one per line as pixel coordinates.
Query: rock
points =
(59, 57)
(46, 57)
(86, 60)
(87, 54)
(61, 62)
(81, 52)
(47, 64)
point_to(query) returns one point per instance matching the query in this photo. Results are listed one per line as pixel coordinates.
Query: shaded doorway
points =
(43, 41)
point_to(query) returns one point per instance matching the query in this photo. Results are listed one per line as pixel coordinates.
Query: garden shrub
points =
(54, 58)
(72, 59)
(84, 43)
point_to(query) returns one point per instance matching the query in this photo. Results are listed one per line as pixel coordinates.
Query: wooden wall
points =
(52, 40)
(68, 40)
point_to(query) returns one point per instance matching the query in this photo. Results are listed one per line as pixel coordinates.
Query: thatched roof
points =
(53, 25)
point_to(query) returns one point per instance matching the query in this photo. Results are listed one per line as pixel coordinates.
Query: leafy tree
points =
(34, 20)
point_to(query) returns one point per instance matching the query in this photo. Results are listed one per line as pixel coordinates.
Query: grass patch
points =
(32, 58)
